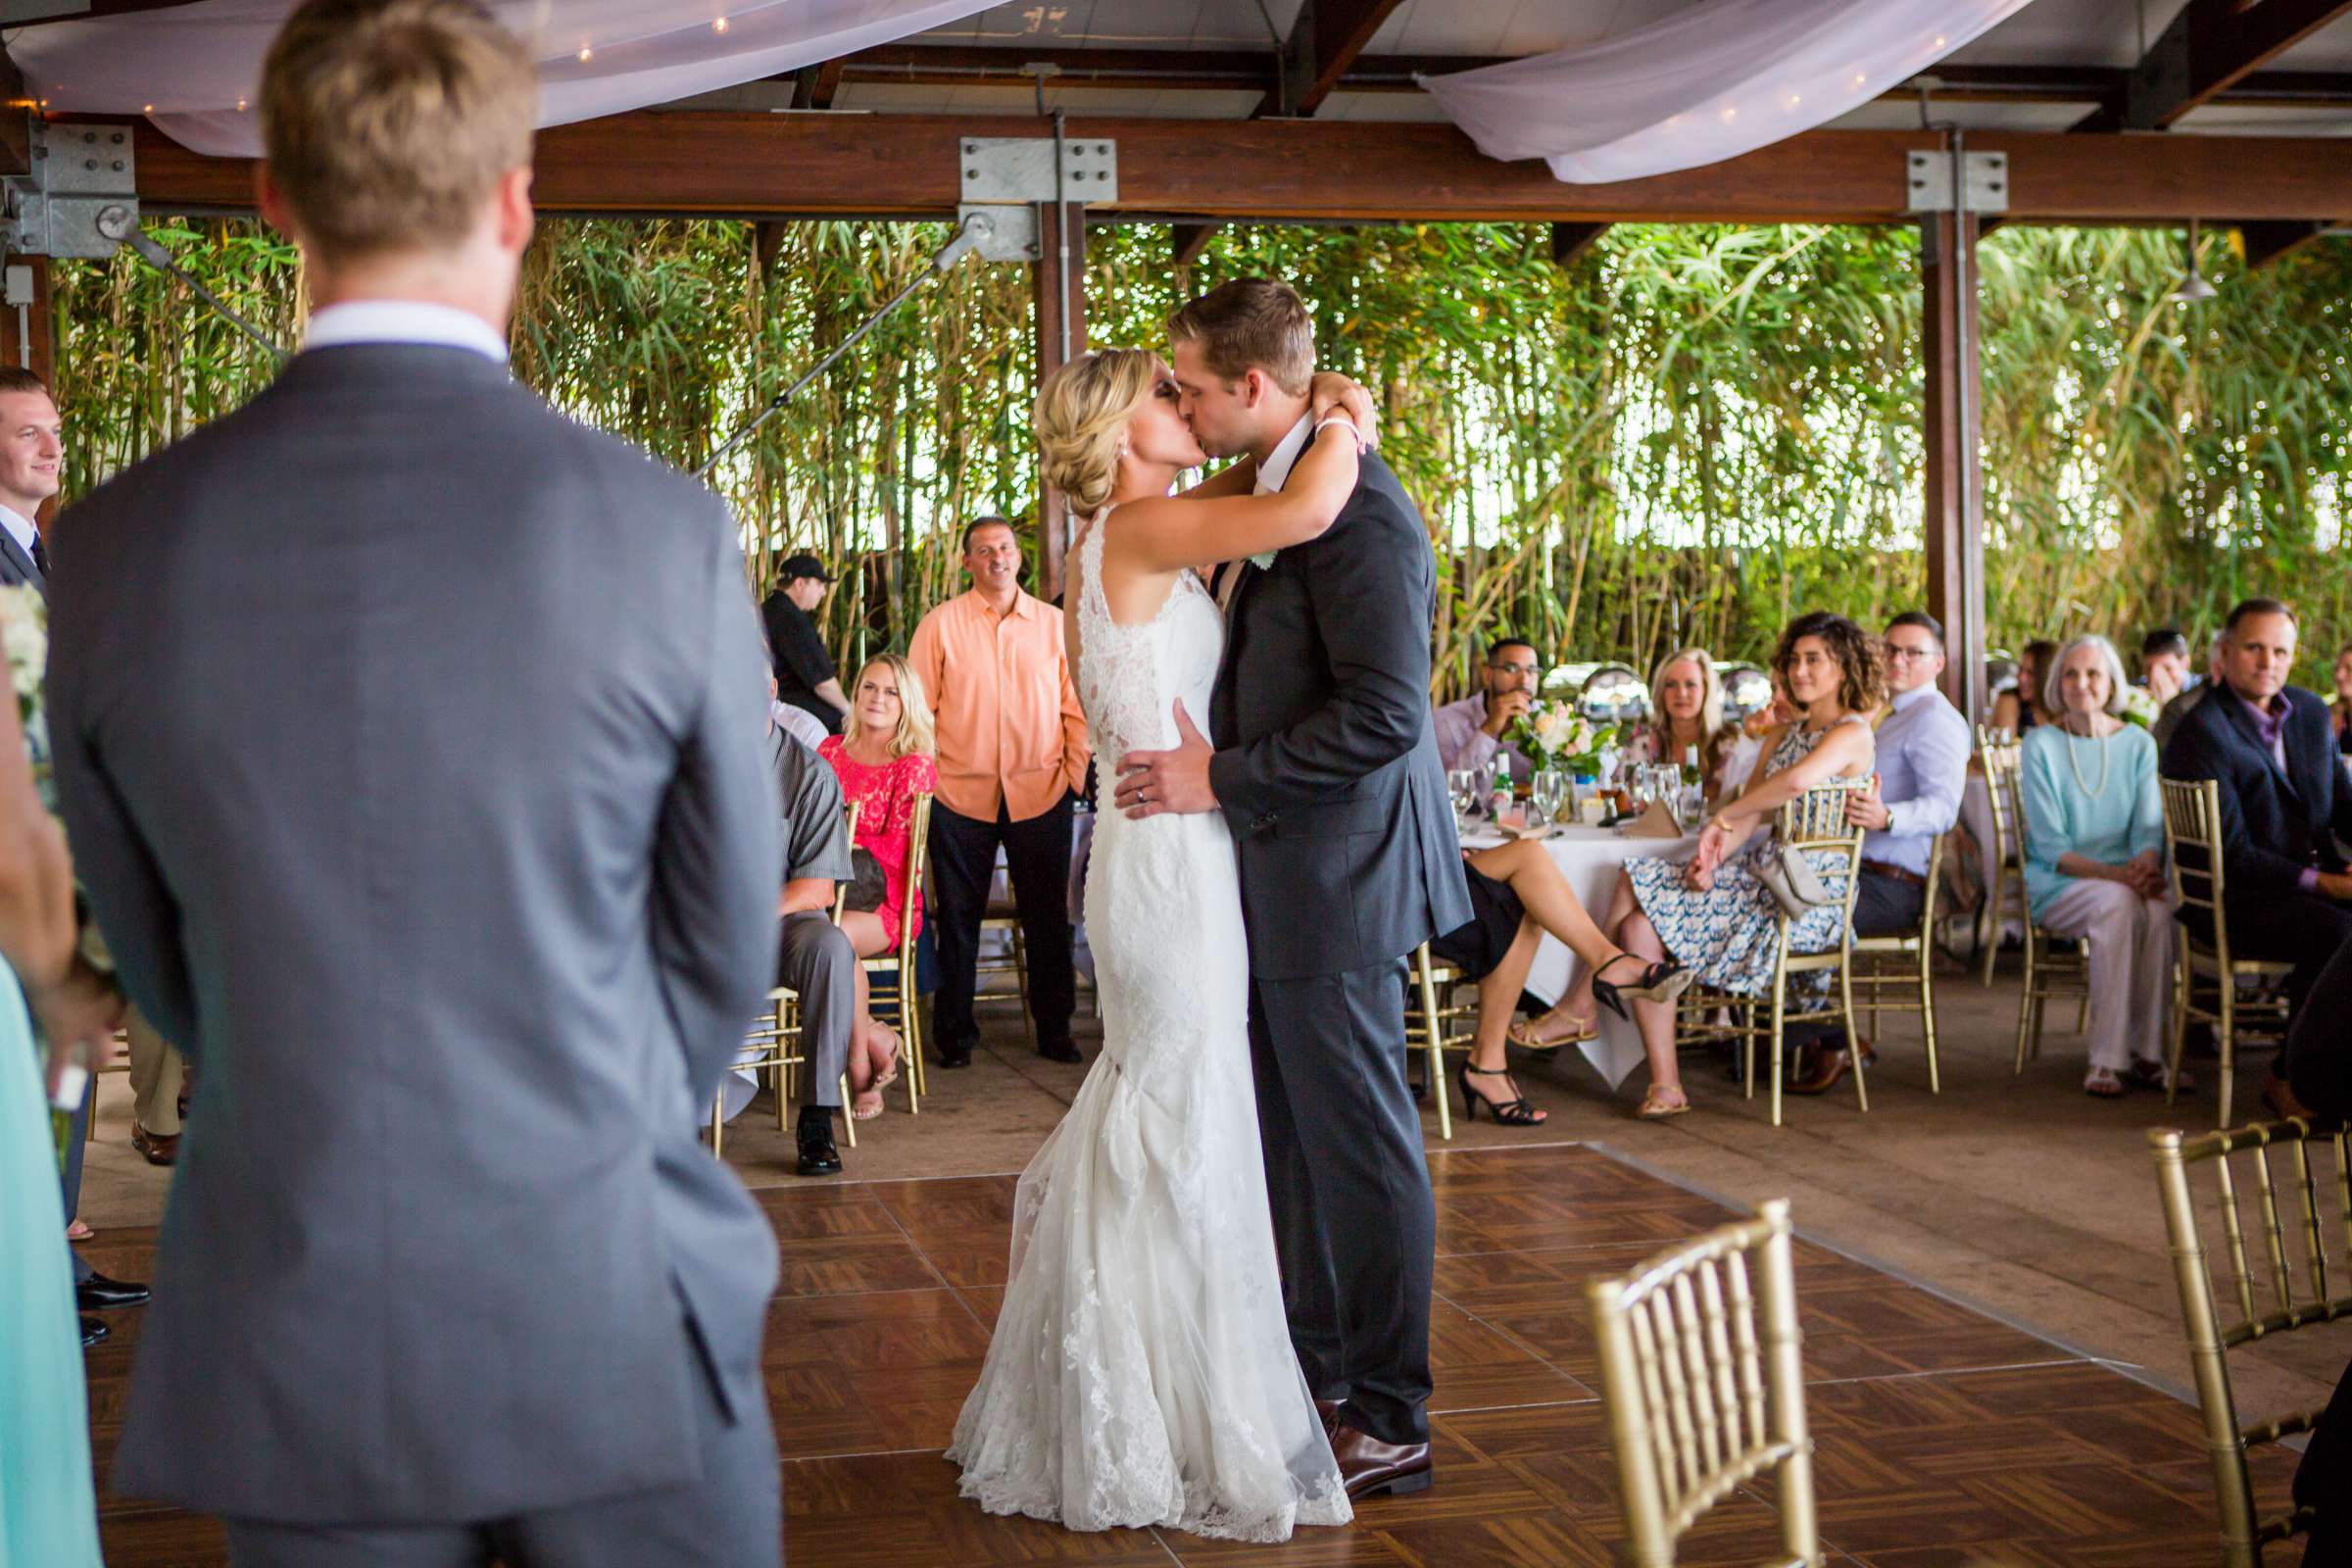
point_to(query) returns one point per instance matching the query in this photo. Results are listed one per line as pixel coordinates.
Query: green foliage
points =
(1689, 435)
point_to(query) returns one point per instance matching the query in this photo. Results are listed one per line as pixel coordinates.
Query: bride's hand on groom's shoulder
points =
(1331, 393)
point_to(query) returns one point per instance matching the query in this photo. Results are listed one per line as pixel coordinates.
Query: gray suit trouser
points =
(732, 1516)
(815, 960)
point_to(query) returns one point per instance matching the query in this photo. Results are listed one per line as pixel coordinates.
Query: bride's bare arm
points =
(1168, 535)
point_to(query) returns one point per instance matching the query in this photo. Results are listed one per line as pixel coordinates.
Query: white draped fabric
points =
(1707, 84)
(195, 69)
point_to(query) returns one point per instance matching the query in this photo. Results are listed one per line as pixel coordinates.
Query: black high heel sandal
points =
(1662, 981)
(1507, 1113)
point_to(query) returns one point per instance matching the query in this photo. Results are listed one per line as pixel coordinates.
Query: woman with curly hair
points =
(1714, 913)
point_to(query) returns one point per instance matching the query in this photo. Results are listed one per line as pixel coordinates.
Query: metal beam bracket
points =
(81, 198)
(1007, 179)
(1986, 183)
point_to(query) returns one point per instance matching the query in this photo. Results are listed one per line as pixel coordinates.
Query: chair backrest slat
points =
(2193, 814)
(1699, 1400)
(2242, 1532)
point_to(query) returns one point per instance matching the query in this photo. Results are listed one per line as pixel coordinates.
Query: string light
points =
(586, 54)
(720, 25)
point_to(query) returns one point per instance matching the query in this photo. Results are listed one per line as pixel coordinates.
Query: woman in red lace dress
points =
(884, 760)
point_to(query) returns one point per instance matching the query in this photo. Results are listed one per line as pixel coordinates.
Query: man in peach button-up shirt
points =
(1012, 755)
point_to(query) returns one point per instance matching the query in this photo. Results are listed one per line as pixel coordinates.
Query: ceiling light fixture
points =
(2193, 289)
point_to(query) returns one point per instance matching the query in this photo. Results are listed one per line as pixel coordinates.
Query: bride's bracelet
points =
(1339, 419)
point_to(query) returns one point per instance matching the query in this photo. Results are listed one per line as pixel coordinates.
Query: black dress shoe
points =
(98, 1294)
(819, 1157)
(1058, 1050)
(955, 1053)
(92, 1331)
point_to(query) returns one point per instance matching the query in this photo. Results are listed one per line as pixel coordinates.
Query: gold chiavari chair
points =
(1905, 963)
(2192, 842)
(1999, 748)
(890, 978)
(2279, 1304)
(1699, 1401)
(1431, 1023)
(117, 1058)
(1815, 822)
(1005, 915)
(2052, 971)
(771, 1044)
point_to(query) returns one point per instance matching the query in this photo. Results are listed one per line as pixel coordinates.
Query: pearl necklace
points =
(2075, 765)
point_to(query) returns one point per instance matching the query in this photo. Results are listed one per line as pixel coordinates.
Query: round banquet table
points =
(1589, 856)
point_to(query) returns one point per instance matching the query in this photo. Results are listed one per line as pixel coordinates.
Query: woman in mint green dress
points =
(48, 1511)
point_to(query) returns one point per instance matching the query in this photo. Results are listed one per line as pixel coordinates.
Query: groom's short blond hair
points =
(387, 123)
(1251, 323)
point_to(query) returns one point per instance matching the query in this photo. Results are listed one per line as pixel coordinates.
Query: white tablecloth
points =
(1590, 858)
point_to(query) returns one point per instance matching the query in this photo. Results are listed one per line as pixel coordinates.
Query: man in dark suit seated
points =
(2285, 892)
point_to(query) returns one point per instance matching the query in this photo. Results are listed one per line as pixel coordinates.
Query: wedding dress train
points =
(1142, 1372)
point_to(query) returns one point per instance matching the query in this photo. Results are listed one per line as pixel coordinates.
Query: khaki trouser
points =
(157, 1073)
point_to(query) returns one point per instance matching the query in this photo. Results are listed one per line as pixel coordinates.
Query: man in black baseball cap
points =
(804, 674)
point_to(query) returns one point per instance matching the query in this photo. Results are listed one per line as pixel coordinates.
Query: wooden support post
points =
(1571, 240)
(1191, 239)
(1060, 300)
(1955, 478)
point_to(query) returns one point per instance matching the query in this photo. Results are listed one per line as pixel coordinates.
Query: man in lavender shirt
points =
(2283, 805)
(1470, 731)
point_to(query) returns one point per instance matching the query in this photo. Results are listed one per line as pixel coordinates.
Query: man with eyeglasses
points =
(1922, 768)
(1470, 731)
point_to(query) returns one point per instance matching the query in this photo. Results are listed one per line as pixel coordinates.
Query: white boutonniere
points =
(1263, 560)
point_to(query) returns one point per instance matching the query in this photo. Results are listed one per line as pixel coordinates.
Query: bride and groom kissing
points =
(1217, 1313)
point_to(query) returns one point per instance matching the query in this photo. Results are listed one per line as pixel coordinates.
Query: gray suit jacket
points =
(1327, 763)
(409, 742)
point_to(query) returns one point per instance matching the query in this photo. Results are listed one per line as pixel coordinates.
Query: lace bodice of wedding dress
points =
(1142, 1372)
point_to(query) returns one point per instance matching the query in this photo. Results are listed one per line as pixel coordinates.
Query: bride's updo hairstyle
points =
(1082, 415)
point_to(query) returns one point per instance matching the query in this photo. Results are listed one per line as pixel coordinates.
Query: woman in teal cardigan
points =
(2094, 859)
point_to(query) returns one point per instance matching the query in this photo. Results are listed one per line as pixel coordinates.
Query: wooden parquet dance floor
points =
(1944, 1436)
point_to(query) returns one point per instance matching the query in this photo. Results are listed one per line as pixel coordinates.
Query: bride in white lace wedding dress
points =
(1142, 1372)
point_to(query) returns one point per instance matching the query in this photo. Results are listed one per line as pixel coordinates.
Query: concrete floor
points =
(2020, 1196)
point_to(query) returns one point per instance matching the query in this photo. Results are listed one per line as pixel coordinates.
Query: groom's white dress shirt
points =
(1272, 475)
(20, 528)
(403, 321)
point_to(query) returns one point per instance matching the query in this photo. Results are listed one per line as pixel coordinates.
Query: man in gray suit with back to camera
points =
(410, 740)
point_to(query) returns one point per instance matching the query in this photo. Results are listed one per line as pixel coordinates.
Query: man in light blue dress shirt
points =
(1921, 770)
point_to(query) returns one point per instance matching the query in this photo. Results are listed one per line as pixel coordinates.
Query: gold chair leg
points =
(1853, 1043)
(1437, 1052)
(2179, 1029)
(718, 1104)
(1993, 923)
(1779, 1009)
(1927, 1012)
(2226, 1041)
(1020, 978)
(848, 1123)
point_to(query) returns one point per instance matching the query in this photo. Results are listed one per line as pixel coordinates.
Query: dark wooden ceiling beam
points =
(1571, 240)
(1323, 42)
(1190, 240)
(815, 86)
(2267, 242)
(754, 164)
(2210, 47)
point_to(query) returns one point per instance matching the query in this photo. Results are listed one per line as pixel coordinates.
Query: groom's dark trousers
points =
(1328, 772)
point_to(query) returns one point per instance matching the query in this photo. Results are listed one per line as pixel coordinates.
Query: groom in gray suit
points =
(409, 737)
(1326, 765)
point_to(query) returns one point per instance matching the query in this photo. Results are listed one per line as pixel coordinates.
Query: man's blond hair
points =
(1252, 323)
(387, 123)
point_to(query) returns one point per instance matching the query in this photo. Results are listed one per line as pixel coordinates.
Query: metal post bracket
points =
(1930, 177)
(1007, 179)
(80, 197)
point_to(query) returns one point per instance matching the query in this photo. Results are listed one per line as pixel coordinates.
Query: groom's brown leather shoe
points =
(1371, 1468)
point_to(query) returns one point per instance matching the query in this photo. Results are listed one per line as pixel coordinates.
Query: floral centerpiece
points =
(24, 640)
(1556, 736)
